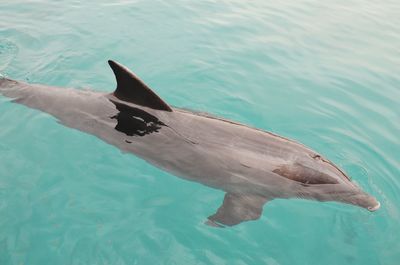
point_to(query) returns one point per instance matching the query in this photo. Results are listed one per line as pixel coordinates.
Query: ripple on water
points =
(8, 51)
(325, 73)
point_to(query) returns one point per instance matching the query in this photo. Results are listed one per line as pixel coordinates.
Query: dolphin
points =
(250, 165)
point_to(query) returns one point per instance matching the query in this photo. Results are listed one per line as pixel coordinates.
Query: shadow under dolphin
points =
(252, 166)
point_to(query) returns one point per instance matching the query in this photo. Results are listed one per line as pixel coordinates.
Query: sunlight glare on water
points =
(325, 73)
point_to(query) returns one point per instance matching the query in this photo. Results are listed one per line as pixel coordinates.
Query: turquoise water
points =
(325, 73)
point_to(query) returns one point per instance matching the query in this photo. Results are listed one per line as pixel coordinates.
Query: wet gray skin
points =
(251, 166)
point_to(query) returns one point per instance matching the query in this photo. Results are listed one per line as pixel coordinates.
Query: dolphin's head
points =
(344, 190)
(324, 181)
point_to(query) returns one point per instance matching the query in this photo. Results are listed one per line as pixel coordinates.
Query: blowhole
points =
(316, 157)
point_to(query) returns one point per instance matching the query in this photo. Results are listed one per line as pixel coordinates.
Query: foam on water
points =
(323, 73)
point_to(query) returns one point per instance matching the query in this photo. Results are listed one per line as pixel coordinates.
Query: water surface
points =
(323, 73)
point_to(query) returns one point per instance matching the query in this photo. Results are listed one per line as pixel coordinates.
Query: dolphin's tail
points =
(10, 88)
(44, 98)
(20, 92)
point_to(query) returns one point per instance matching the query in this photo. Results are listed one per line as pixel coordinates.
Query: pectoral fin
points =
(237, 208)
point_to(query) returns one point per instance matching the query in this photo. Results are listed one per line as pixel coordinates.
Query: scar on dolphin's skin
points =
(135, 122)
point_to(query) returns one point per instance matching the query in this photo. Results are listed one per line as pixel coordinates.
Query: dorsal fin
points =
(131, 89)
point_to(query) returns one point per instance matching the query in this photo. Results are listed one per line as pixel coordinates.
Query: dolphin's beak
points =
(364, 200)
(374, 208)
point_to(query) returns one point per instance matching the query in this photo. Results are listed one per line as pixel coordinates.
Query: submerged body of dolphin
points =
(250, 165)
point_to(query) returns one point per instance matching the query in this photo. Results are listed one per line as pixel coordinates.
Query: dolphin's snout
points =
(374, 208)
(363, 200)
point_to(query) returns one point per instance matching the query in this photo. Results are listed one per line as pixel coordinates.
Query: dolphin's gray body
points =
(250, 165)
